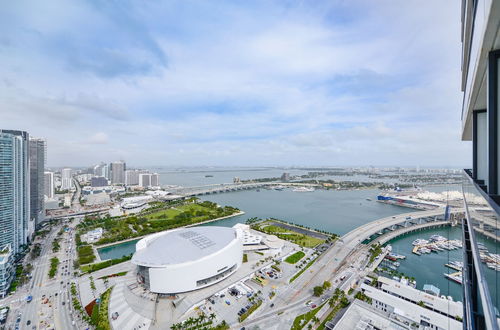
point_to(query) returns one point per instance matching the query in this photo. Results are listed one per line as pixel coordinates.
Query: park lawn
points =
(172, 212)
(294, 258)
(290, 235)
(163, 214)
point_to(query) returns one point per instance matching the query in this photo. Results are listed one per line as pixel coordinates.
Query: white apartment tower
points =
(49, 184)
(66, 179)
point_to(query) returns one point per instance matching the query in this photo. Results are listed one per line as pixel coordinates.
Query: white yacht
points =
(420, 241)
(303, 189)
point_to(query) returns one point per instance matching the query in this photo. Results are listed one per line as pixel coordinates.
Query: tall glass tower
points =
(14, 200)
(37, 180)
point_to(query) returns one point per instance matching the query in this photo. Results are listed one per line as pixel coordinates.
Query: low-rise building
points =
(413, 306)
(99, 181)
(93, 235)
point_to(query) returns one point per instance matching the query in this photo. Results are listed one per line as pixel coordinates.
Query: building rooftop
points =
(181, 245)
(362, 316)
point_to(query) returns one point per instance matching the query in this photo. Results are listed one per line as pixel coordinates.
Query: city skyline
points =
(267, 85)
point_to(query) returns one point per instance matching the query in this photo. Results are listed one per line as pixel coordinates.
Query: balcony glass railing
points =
(481, 253)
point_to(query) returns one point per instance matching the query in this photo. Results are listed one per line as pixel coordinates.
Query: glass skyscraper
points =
(37, 180)
(14, 200)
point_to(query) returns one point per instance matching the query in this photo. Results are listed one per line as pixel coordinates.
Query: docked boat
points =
(455, 277)
(420, 241)
(303, 189)
(437, 238)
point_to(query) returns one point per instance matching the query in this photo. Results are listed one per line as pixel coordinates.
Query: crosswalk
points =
(128, 319)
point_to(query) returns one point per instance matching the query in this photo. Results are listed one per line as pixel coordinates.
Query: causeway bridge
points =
(382, 230)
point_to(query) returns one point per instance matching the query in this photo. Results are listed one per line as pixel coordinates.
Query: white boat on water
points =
(437, 238)
(420, 241)
(303, 189)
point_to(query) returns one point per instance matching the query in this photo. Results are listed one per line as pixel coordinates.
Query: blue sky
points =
(235, 82)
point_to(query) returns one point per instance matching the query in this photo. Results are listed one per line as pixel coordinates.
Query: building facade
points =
(145, 180)
(37, 179)
(66, 179)
(98, 181)
(48, 184)
(117, 172)
(187, 259)
(155, 180)
(480, 124)
(14, 200)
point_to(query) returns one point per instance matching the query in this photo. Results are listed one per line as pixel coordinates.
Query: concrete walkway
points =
(127, 319)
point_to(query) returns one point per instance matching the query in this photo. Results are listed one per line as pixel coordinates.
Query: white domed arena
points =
(187, 259)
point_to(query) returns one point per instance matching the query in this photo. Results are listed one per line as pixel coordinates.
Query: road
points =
(57, 312)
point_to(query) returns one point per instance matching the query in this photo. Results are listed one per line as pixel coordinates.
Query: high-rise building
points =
(102, 170)
(132, 177)
(481, 186)
(66, 179)
(37, 181)
(145, 180)
(14, 200)
(49, 184)
(155, 180)
(117, 172)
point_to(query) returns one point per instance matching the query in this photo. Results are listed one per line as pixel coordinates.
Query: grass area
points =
(249, 312)
(294, 277)
(54, 262)
(101, 265)
(292, 236)
(100, 312)
(159, 219)
(301, 320)
(292, 259)
(55, 245)
(85, 254)
(113, 275)
(375, 251)
(245, 257)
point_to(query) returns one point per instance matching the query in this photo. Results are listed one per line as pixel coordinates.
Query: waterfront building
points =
(187, 259)
(132, 177)
(145, 180)
(98, 181)
(48, 184)
(285, 177)
(412, 306)
(66, 179)
(14, 200)
(361, 315)
(117, 172)
(480, 124)
(37, 155)
(155, 180)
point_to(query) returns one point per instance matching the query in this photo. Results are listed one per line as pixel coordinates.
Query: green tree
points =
(318, 291)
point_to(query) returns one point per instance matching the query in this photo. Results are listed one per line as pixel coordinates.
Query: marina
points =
(436, 243)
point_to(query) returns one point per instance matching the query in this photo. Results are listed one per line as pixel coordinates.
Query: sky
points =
(235, 83)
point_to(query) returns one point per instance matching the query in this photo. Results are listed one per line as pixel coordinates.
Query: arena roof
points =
(183, 245)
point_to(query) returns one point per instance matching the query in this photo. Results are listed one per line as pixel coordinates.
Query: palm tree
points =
(212, 316)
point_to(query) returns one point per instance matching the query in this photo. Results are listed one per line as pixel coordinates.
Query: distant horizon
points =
(264, 166)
